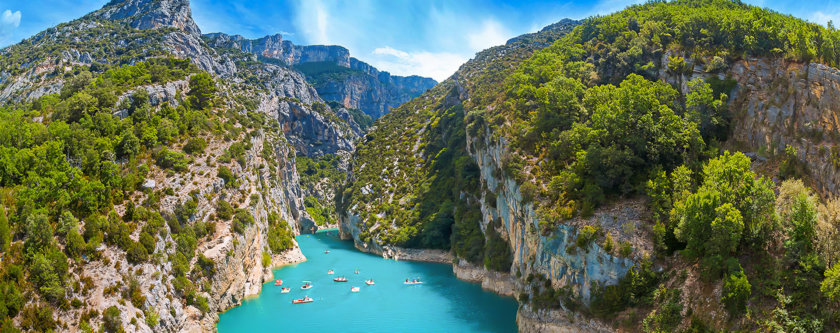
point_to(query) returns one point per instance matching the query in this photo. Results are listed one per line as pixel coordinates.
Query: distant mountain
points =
(333, 72)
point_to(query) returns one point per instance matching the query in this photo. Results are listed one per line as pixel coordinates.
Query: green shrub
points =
(224, 210)
(168, 159)
(195, 146)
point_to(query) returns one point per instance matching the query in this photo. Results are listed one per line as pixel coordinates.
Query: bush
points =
(225, 174)
(136, 253)
(224, 211)
(241, 220)
(195, 146)
(168, 159)
(736, 292)
(111, 319)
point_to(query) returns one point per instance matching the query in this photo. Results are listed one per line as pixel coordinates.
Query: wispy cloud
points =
(437, 65)
(9, 21)
(491, 33)
(824, 17)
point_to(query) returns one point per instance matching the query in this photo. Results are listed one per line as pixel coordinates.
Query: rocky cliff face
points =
(549, 255)
(144, 14)
(334, 74)
(779, 103)
(297, 122)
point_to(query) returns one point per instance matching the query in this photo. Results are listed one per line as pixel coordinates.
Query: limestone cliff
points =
(287, 118)
(334, 74)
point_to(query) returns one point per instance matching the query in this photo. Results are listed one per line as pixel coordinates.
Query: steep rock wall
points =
(537, 254)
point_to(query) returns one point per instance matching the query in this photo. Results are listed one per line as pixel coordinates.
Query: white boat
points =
(331, 272)
(285, 290)
(354, 289)
(306, 285)
(369, 282)
(306, 299)
(415, 281)
(340, 279)
(326, 251)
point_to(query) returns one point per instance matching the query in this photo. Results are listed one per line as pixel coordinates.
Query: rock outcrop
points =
(334, 74)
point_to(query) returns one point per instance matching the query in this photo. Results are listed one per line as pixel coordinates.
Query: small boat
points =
(330, 272)
(285, 290)
(306, 285)
(369, 282)
(340, 279)
(278, 282)
(415, 281)
(354, 289)
(306, 299)
(357, 271)
(326, 251)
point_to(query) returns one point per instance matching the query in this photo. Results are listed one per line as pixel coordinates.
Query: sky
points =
(405, 37)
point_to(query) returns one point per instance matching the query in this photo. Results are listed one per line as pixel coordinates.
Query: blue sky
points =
(423, 37)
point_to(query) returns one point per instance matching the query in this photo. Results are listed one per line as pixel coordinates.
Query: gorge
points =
(672, 166)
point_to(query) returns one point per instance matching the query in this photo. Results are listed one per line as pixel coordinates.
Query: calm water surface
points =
(441, 304)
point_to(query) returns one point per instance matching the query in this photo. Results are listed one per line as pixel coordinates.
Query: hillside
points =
(149, 180)
(669, 167)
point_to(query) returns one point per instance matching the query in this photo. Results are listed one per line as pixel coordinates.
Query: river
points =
(441, 304)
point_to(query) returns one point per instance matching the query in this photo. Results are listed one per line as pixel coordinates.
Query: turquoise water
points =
(441, 304)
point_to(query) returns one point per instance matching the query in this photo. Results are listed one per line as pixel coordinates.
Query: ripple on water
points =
(441, 304)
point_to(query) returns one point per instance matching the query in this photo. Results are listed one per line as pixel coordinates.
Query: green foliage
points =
(225, 174)
(497, 255)
(830, 287)
(202, 90)
(174, 160)
(111, 319)
(635, 288)
(224, 210)
(280, 235)
(736, 292)
(666, 315)
(241, 220)
(730, 207)
(195, 146)
(790, 167)
(322, 215)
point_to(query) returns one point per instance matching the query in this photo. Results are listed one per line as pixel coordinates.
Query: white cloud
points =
(821, 17)
(9, 21)
(313, 21)
(491, 33)
(437, 65)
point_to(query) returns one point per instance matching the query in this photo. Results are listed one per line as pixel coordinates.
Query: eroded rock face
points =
(364, 87)
(152, 14)
(548, 255)
(778, 103)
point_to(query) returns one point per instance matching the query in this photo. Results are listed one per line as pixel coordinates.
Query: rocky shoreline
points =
(504, 284)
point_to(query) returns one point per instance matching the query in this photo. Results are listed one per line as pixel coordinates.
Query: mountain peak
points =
(151, 14)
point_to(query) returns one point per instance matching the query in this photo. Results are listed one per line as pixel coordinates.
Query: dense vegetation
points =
(72, 160)
(610, 111)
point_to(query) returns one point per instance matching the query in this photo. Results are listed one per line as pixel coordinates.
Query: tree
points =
(224, 211)
(736, 292)
(39, 232)
(129, 145)
(225, 174)
(5, 233)
(726, 230)
(202, 90)
(111, 319)
(830, 287)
